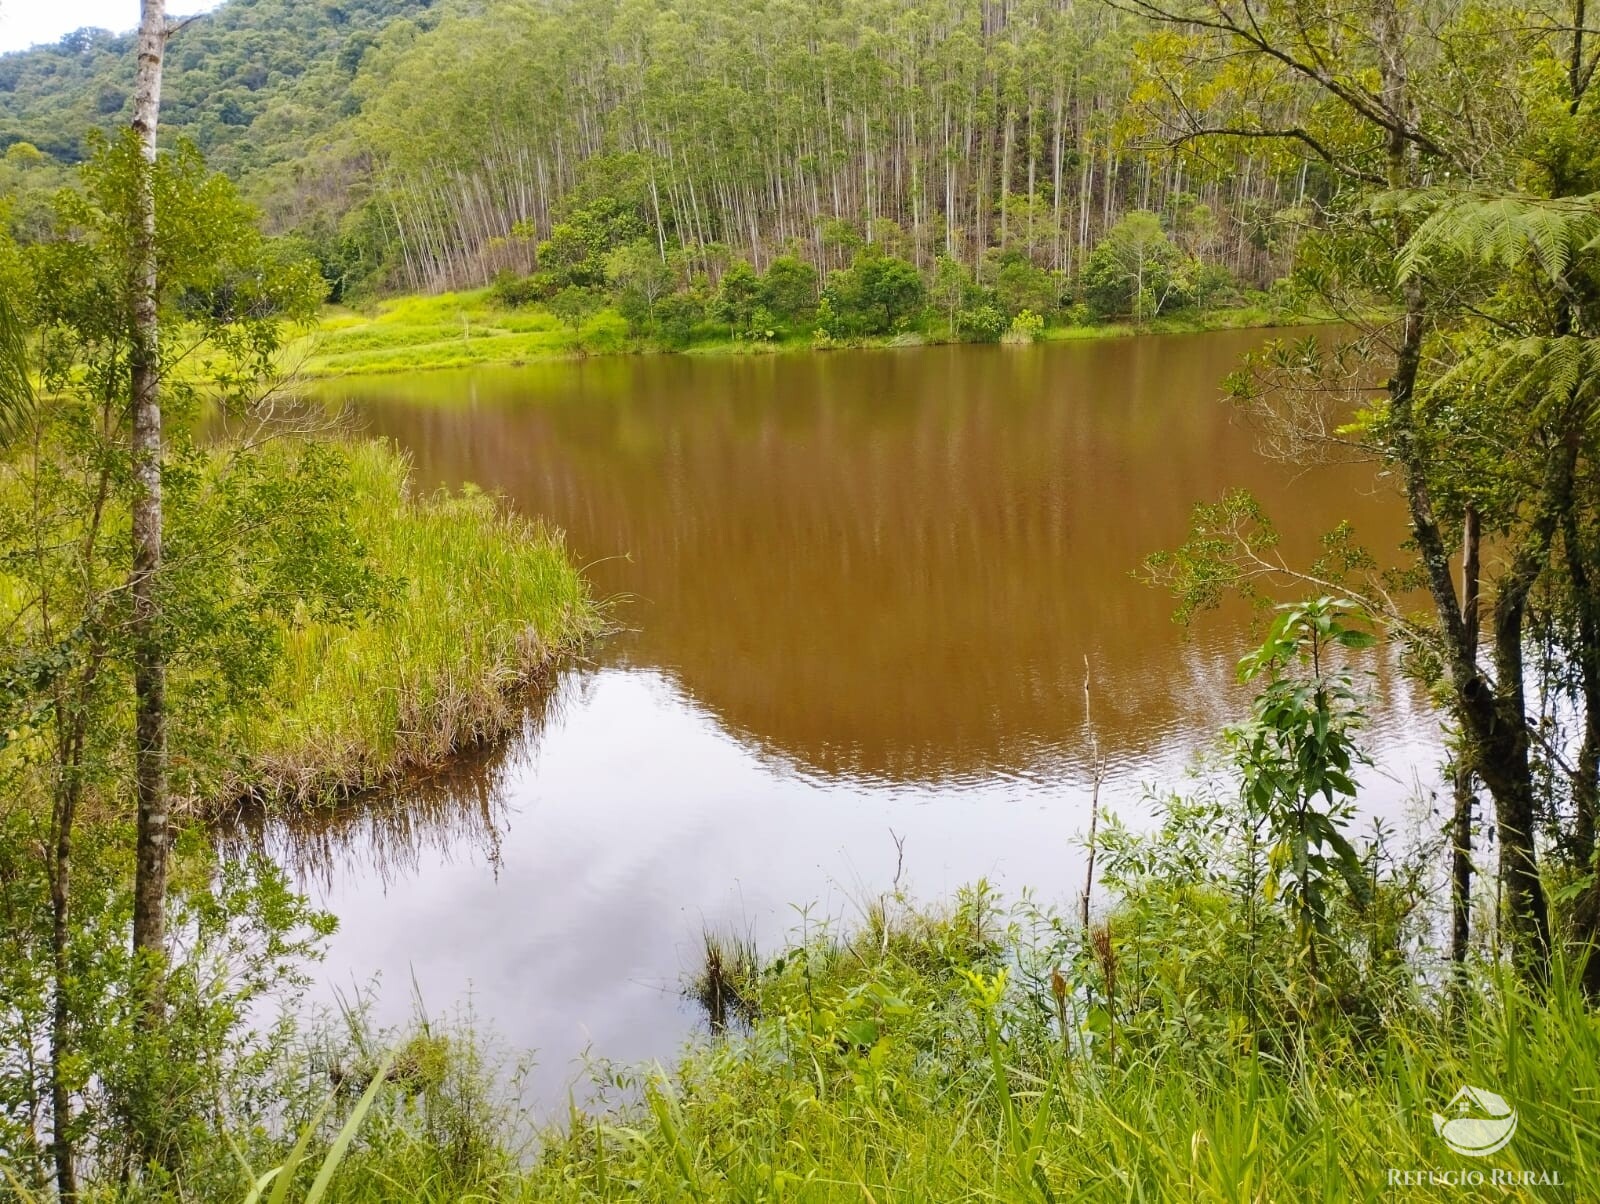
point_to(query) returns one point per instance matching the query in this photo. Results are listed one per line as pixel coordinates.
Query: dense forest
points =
(554, 133)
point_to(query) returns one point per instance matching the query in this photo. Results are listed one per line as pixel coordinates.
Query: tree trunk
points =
(60, 1012)
(149, 660)
(1461, 823)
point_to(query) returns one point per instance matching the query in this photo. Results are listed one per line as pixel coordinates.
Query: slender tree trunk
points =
(61, 1145)
(1461, 823)
(149, 664)
(71, 720)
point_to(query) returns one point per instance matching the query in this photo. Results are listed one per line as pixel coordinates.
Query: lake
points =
(859, 594)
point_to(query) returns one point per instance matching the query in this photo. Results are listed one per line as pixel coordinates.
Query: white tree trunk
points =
(149, 659)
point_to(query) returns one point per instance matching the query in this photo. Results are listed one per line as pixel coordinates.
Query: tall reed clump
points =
(481, 603)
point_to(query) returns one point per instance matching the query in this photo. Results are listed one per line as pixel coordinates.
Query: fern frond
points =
(1536, 371)
(1507, 232)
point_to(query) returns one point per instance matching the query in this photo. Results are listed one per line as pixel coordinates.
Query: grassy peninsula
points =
(478, 603)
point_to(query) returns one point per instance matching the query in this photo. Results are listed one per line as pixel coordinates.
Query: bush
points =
(1019, 286)
(876, 295)
(1026, 327)
(789, 289)
(984, 324)
(514, 291)
(676, 318)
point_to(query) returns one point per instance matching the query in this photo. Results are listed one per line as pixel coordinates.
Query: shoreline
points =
(467, 330)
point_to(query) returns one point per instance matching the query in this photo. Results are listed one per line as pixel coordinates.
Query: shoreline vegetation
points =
(976, 1050)
(482, 604)
(472, 328)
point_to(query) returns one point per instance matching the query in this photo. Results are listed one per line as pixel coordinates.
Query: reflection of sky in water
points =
(634, 819)
(862, 591)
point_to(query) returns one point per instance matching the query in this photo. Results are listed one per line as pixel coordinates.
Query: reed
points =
(931, 1066)
(486, 602)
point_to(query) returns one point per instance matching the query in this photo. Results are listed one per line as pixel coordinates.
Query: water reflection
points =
(862, 591)
(890, 565)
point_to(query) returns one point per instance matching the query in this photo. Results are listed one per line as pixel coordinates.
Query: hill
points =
(252, 83)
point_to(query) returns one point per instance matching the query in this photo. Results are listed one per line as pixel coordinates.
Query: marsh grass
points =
(485, 603)
(726, 984)
(924, 1062)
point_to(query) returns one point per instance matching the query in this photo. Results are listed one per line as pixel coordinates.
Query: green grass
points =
(920, 1060)
(452, 330)
(488, 602)
(457, 330)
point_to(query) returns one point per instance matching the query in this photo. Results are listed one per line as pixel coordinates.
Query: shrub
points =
(789, 289)
(1019, 286)
(676, 317)
(514, 291)
(983, 324)
(1026, 327)
(876, 295)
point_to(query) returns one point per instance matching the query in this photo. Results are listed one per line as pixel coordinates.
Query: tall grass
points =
(925, 1058)
(928, 1068)
(487, 602)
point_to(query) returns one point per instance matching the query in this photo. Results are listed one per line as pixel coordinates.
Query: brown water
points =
(861, 593)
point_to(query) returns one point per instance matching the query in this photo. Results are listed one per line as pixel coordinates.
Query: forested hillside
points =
(965, 124)
(427, 147)
(252, 83)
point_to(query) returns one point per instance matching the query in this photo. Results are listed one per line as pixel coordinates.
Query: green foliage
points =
(1026, 327)
(573, 305)
(1504, 232)
(985, 324)
(876, 295)
(1225, 552)
(1135, 269)
(676, 318)
(1019, 286)
(483, 603)
(243, 938)
(514, 291)
(640, 277)
(16, 388)
(789, 289)
(738, 295)
(1299, 745)
(920, 1057)
(248, 82)
(950, 288)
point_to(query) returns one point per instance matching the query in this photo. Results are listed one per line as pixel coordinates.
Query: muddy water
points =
(860, 592)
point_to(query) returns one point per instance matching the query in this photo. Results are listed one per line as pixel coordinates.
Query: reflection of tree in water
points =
(459, 810)
(889, 568)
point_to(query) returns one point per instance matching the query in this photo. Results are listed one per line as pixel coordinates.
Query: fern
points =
(1536, 370)
(1506, 232)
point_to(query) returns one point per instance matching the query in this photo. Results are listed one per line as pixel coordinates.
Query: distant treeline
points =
(424, 146)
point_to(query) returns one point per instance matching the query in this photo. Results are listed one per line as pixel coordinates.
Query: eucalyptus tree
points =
(966, 125)
(144, 365)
